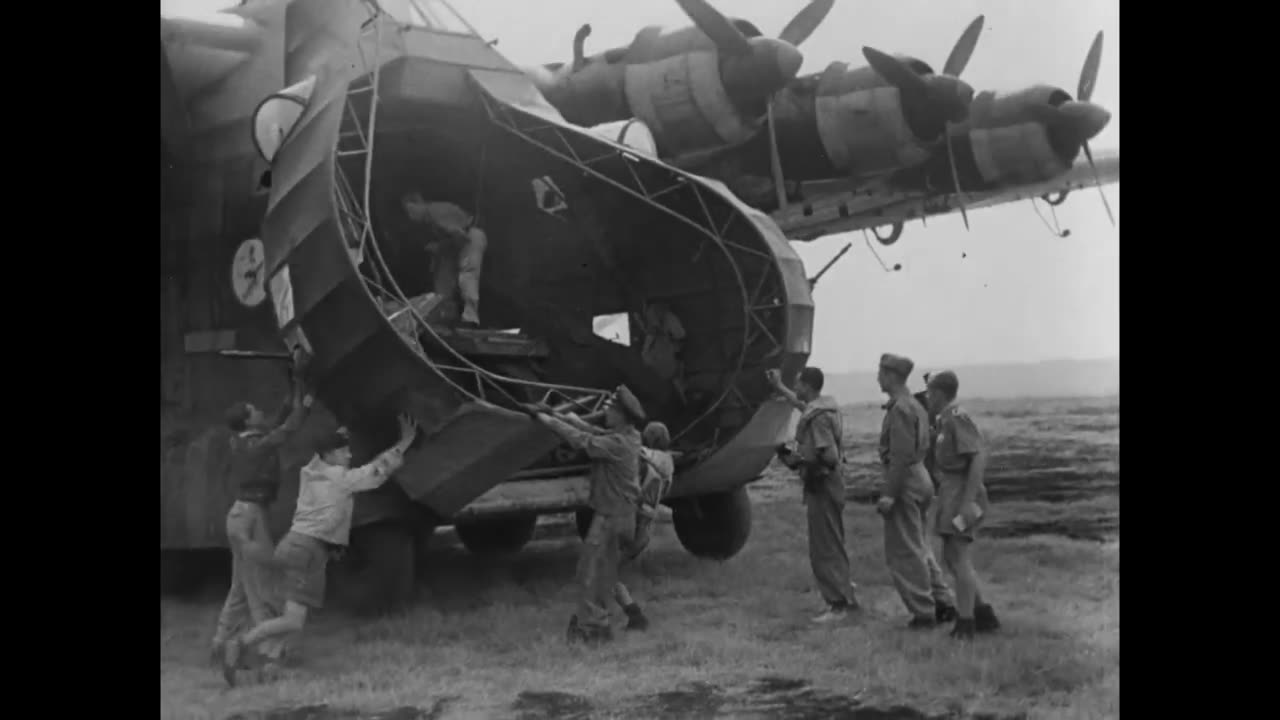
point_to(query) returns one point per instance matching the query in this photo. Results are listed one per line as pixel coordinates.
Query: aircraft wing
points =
(835, 207)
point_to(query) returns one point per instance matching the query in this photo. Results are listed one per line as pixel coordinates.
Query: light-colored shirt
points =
(904, 442)
(820, 427)
(958, 441)
(325, 494)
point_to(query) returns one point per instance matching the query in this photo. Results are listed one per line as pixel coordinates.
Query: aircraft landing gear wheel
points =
(582, 521)
(714, 526)
(500, 535)
(376, 575)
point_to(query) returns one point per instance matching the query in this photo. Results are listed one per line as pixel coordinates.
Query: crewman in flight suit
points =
(458, 246)
(614, 452)
(960, 460)
(905, 496)
(817, 457)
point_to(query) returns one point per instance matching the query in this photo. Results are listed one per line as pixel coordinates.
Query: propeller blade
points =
(1089, 73)
(775, 160)
(963, 50)
(716, 26)
(1097, 180)
(806, 21)
(896, 72)
(955, 176)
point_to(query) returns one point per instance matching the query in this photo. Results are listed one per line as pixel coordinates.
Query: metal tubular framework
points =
(354, 153)
(552, 138)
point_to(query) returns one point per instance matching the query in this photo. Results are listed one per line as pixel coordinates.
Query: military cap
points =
(897, 363)
(626, 400)
(946, 381)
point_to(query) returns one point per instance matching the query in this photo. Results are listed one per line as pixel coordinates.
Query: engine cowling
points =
(861, 122)
(1010, 144)
(683, 101)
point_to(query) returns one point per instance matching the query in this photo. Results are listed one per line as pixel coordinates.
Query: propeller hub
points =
(788, 59)
(1086, 119)
(753, 78)
(952, 95)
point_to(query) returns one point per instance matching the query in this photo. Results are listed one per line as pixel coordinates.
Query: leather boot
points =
(944, 613)
(963, 629)
(984, 618)
(635, 618)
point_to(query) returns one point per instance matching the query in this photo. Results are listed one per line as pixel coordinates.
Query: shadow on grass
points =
(772, 697)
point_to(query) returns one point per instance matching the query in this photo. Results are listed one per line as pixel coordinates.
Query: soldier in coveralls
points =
(817, 457)
(905, 497)
(960, 460)
(657, 468)
(615, 490)
(255, 477)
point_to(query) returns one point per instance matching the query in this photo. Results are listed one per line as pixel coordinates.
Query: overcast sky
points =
(1021, 294)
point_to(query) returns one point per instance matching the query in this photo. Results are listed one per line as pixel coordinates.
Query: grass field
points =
(733, 639)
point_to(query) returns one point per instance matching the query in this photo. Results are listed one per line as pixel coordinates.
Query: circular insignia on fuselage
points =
(247, 267)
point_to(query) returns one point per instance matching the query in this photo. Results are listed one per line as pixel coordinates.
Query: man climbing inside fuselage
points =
(458, 248)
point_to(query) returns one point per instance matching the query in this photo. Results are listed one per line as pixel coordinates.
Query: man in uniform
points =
(458, 246)
(817, 457)
(905, 497)
(614, 453)
(255, 478)
(960, 459)
(941, 593)
(657, 468)
(664, 336)
(321, 526)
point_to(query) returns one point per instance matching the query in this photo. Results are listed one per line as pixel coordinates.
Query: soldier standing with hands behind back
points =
(817, 457)
(960, 460)
(905, 497)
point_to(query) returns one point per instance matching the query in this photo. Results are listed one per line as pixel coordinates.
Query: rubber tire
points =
(497, 536)
(582, 519)
(714, 526)
(377, 573)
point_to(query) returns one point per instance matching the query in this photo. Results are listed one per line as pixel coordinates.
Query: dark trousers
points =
(824, 505)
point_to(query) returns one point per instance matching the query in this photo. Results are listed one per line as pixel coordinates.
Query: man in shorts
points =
(321, 525)
(959, 463)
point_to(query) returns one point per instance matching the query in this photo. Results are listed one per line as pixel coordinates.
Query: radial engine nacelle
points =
(696, 88)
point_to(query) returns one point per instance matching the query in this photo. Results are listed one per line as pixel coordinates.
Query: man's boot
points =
(963, 629)
(635, 618)
(944, 613)
(984, 619)
(598, 636)
(922, 622)
(574, 632)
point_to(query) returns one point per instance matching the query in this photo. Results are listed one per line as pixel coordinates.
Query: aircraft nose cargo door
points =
(363, 370)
